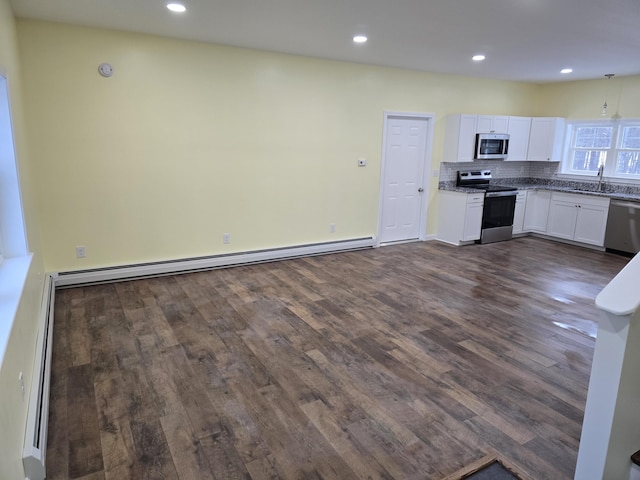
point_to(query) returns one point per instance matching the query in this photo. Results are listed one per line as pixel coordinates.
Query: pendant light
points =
(604, 105)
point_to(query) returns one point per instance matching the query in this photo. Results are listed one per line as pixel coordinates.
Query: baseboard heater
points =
(112, 274)
(35, 439)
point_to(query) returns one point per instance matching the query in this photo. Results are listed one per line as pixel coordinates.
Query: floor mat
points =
(490, 467)
(493, 471)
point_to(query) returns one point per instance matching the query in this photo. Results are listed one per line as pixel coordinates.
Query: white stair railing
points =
(611, 426)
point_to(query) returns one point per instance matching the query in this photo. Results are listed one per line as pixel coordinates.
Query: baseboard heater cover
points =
(35, 438)
(111, 274)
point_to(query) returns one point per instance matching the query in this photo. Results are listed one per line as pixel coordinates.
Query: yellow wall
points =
(20, 349)
(583, 100)
(188, 141)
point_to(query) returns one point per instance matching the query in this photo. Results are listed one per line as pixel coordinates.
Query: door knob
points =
(421, 190)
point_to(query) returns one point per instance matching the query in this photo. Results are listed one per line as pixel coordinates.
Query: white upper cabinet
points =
(459, 138)
(546, 139)
(534, 139)
(492, 124)
(518, 131)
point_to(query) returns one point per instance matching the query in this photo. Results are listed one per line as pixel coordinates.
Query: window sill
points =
(13, 275)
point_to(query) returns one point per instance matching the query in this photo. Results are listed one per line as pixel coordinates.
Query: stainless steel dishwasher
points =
(623, 227)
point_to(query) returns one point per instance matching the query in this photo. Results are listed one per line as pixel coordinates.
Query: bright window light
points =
(359, 39)
(176, 7)
(478, 58)
(566, 70)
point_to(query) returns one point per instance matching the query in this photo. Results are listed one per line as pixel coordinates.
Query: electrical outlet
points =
(332, 228)
(226, 238)
(436, 174)
(21, 385)
(81, 252)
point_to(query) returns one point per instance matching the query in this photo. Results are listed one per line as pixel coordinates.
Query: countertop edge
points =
(552, 188)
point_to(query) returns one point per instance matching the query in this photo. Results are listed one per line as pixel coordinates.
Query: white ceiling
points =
(527, 40)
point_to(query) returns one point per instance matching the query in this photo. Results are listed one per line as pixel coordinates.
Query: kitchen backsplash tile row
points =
(500, 169)
(543, 169)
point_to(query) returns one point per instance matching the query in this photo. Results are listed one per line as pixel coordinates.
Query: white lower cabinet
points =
(567, 216)
(562, 219)
(581, 218)
(473, 218)
(591, 224)
(459, 216)
(518, 215)
(536, 213)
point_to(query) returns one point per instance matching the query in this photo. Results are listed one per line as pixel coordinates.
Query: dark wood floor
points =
(405, 362)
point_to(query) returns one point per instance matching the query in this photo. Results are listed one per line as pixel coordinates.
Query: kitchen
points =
(565, 208)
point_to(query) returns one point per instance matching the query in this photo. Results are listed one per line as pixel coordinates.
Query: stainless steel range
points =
(499, 205)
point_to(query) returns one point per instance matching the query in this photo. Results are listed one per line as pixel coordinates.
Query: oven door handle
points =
(511, 193)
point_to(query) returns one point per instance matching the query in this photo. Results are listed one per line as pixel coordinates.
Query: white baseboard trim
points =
(127, 272)
(569, 242)
(426, 238)
(456, 244)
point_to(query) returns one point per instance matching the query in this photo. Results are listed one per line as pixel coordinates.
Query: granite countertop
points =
(571, 188)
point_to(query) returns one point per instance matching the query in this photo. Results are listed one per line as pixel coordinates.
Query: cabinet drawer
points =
(475, 198)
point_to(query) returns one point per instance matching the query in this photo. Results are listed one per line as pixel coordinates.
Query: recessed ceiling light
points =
(478, 58)
(566, 70)
(176, 7)
(359, 39)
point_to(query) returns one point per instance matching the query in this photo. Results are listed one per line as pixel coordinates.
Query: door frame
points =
(426, 171)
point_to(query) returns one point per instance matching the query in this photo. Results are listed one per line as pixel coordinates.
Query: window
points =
(628, 160)
(613, 146)
(15, 258)
(13, 242)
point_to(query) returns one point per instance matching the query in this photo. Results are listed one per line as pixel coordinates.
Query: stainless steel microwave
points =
(491, 146)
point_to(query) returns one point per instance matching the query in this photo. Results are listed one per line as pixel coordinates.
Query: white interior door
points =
(403, 183)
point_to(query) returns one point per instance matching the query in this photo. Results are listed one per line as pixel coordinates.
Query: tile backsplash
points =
(501, 169)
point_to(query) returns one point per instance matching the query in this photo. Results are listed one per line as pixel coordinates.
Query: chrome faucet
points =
(600, 175)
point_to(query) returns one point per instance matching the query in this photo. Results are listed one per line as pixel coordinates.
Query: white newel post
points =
(611, 427)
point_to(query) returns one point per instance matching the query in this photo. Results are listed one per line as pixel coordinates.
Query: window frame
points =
(611, 160)
(14, 249)
(621, 149)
